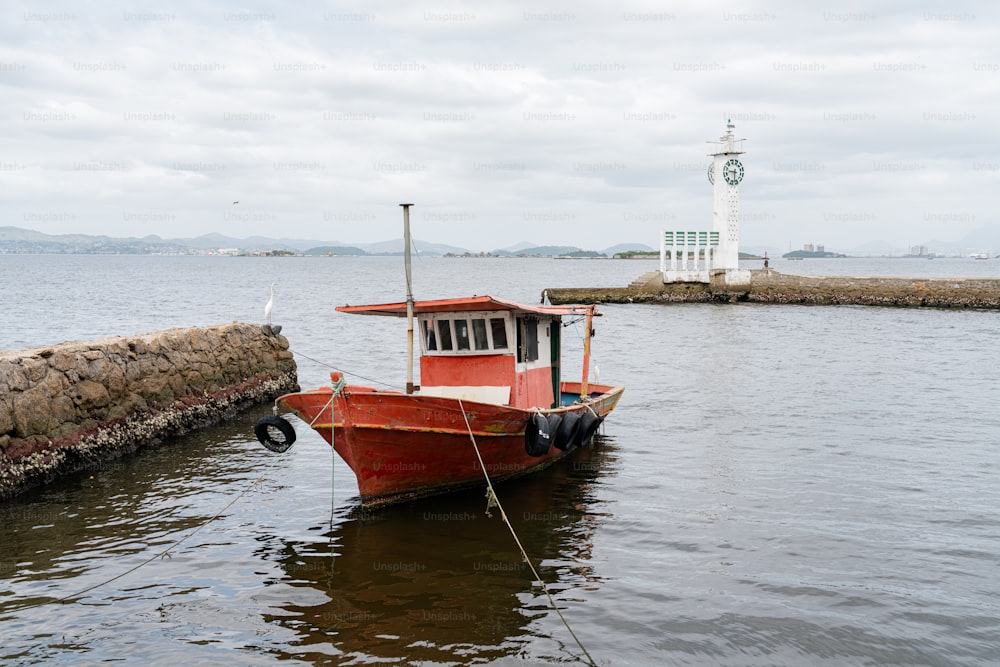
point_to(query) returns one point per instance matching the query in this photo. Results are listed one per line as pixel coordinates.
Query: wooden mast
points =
(587, 333)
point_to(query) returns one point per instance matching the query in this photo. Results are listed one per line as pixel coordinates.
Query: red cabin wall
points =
(467, 370)
(529, 389)
(534, 388)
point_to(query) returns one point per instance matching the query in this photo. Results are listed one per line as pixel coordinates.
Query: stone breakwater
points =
(769, 286)
(69, 406)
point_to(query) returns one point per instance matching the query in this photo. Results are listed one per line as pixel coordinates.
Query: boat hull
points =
(407, 446)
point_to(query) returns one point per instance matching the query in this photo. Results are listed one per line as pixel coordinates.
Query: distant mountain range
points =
(26, 241)
(982, 239)
(16, 240)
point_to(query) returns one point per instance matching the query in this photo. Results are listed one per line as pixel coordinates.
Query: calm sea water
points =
(780, 485)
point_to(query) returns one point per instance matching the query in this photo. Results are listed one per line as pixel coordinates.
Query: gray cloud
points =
(503, 123)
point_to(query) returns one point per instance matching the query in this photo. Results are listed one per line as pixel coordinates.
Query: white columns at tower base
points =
(691, 256)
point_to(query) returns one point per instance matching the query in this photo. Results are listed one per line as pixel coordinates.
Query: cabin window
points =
(462, 335)
(479, 334)
(465, 333)
(499, 330)
(531, 336)
(429, 335)
(444, 331)
(527, 339)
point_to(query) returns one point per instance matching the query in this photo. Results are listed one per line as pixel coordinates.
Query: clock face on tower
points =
(711, 173)
(732, 171)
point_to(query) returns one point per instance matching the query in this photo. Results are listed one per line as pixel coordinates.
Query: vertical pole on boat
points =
(587, 333)
(409, 299)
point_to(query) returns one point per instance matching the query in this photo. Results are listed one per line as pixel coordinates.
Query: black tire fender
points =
(568, 431)
(275, 433)
(539, 433)
(589, 423)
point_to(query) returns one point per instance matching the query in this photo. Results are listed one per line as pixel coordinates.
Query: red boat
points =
(490, 373)
(490, 400)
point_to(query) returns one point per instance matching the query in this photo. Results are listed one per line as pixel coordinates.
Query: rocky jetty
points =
(69, 406)
(770, 286)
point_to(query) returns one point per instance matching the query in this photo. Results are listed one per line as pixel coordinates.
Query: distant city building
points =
(920, 251)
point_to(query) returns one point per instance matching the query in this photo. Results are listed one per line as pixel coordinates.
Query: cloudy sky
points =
(551, 122)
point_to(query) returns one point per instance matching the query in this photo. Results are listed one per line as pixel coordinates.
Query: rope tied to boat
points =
(338, 387)
(343, 372)
(493, 501)
(165, 553)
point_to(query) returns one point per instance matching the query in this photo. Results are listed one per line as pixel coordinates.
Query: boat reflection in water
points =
(438, 580)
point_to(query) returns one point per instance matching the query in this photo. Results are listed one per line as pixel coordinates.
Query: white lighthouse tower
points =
(725, 174)
(713, 256)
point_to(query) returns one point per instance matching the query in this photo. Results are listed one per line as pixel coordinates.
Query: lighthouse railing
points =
(681, 246)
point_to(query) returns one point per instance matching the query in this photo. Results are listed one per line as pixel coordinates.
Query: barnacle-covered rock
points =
(64, 407)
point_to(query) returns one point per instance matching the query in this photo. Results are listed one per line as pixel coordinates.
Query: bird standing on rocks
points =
(268, 307)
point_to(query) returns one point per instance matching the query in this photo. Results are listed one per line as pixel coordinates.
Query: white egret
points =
(269, 305)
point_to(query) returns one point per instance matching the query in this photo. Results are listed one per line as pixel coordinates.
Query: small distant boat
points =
(979, 255)
(491, 398)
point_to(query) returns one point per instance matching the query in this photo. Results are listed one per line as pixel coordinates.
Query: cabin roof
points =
(461, 305)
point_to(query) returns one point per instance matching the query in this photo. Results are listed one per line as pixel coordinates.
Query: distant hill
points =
(628, 247)
(541, 251)
(251, 243)
(983, 239)
(18, 240)
(395, 247)
(27, 241)
(514, 249)
(760, 250)
(337, 250)
(568, 251)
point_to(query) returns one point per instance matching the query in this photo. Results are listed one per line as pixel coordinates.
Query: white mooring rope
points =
(165, 553)
(493, 501)
(160, 554)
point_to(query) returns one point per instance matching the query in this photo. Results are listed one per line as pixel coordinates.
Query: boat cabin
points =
(486, 349)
